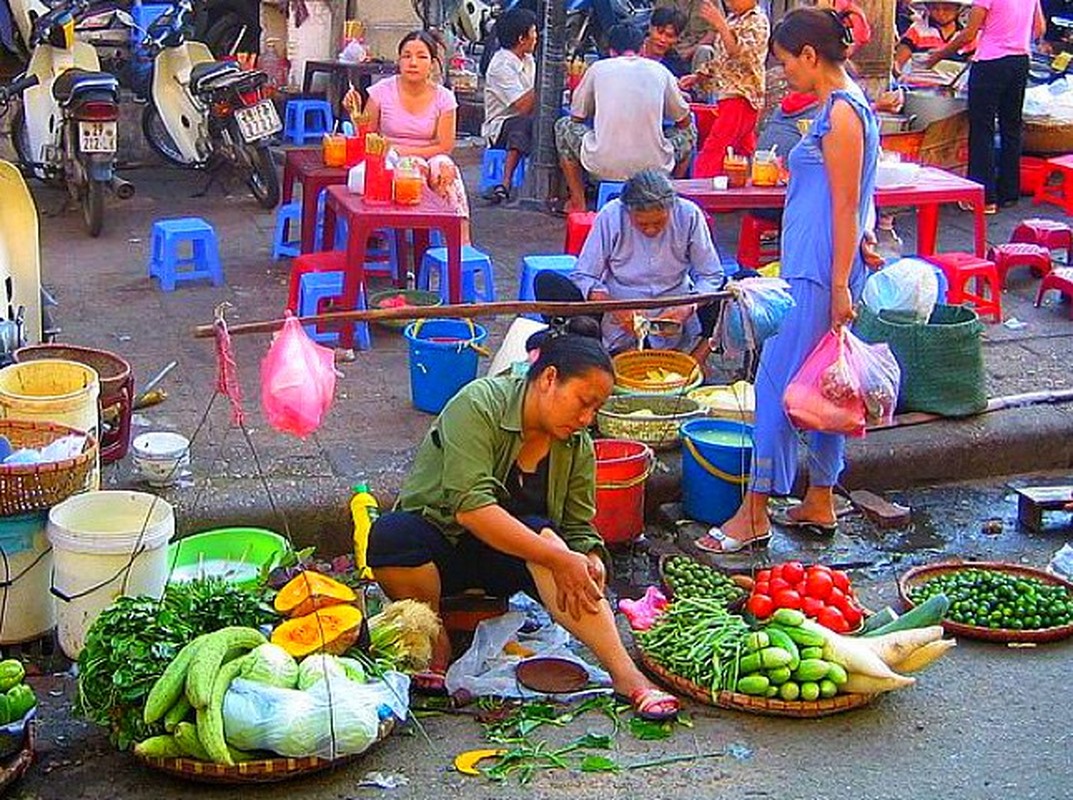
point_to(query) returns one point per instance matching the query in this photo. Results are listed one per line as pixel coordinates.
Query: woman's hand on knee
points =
(576, 593)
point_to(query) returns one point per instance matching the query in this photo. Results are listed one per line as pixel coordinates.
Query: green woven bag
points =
(942, 360)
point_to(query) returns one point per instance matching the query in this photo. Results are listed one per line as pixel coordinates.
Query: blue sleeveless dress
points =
(807, 253)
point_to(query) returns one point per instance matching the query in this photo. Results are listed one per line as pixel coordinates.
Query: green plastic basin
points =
(235, 554)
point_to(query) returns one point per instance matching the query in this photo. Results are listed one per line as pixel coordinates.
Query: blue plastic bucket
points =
(443, 359)
(716, 457)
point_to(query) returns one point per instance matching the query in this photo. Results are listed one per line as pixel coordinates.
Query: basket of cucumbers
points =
(683, 576)
(995, 601)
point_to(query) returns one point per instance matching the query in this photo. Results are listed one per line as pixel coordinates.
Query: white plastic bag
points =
(755, 314)
(908, 286)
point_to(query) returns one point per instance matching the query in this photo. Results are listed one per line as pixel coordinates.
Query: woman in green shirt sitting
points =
(501, 498)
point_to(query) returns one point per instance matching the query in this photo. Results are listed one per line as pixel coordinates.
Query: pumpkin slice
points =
(307, 591)
(334, 630)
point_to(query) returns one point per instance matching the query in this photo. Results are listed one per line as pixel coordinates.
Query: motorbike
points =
(22, 306)
(66, 128)
(206, 114)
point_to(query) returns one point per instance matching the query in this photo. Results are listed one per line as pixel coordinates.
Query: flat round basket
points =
(263, 770)
(625, 417)
(744, 582)
(920, 575)
(25, 488)
(13, 767)
(1046, 136)
(756, 705)
(637, 371)
(413, 297)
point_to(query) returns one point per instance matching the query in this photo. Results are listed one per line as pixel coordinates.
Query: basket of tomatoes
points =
(820, 592)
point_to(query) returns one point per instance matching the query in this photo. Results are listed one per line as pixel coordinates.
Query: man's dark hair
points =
(667, 15)
(625, 38)
(513, 26)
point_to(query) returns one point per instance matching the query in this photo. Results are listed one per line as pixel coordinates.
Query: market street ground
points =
(985, 722)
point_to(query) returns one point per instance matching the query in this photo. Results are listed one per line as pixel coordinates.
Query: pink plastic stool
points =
(1046, 233)
(1061, 280)
(1020, 254)
(959, 269)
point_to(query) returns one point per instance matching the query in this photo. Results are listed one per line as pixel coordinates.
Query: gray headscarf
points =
(648, 189)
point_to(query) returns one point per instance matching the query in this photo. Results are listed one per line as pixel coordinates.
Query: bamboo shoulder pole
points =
(511, 308)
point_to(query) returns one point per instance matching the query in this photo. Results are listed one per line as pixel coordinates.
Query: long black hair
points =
(825, 31)
(433, 44)
(573, 347)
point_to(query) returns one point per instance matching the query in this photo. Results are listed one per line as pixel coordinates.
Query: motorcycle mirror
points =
(124, 17)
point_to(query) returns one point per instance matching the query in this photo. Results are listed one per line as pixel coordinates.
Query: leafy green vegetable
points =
(598, 764)
(271, 665)
(133, 640)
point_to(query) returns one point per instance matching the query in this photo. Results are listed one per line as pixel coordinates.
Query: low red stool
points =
(578, 225)
(1033, 171)
(1059, 192)
(959, 269)
(1061, 280)
(1046, 233)
(753, 251)
(327, 261)
(1020, 254)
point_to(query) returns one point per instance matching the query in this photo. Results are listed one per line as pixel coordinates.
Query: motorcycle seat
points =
(208, 72)
(78, 80)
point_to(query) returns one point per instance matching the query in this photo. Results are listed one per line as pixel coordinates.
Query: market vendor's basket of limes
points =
(995, 601)
(776, 657)
(656, 372)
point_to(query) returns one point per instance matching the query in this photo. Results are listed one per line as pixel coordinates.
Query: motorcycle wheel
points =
(263, 180)
(158, 137)
(93, 207)
(20, 137)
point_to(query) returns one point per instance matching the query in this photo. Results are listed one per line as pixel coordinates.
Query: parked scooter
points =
(20, 266)
(66, 128)
(206, 114)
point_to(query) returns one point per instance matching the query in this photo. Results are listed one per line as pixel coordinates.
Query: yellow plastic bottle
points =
(365, 511)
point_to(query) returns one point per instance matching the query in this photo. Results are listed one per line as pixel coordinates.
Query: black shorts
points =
(516, 134)
(406, 539)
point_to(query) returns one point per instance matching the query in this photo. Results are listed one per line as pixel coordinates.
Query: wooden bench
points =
(1032, 501)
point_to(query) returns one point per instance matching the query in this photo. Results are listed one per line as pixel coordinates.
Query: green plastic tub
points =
(236, 554)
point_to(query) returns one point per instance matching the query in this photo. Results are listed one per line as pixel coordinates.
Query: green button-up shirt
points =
(463, 462)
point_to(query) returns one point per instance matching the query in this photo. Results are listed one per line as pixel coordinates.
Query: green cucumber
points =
(780, 638)
(811, 652)
(749, 664)
(757, 640)
(878, 620)
(753, 684)
(210, 720)
(836, 673)
(805, 638)
(188, 741)
(930, 612)
(789, 617)
(169, 686)
(177, 713)
(163, 746)
(772, 691)
(828, 688)
(773, 657)
(812, 669)
(789, 691)
(779, 675)
(810, 691)
(203, 669)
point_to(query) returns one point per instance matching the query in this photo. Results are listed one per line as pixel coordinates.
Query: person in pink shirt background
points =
(997, 82)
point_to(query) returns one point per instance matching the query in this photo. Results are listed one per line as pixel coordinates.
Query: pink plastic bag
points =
(844, 385)
(297, 381)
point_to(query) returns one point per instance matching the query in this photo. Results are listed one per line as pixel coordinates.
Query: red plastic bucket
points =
(622, 467)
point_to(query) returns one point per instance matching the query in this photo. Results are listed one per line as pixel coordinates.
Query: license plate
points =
(97, 137)
(259, 121)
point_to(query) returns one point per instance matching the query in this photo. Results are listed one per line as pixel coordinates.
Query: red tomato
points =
(763, 575)
(853, 614)
(832, 619)
(836, 597)
(818, 584)
(793, 571)
(762, 587)
(760, 606)
(841, 580)
(778, 585)
(811, 606)
(787, 598)
(819, 568)
(776, 571)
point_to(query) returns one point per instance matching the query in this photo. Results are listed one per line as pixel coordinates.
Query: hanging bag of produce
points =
(825, 394)
(297, 381)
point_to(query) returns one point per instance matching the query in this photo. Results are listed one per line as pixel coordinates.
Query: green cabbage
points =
(314, 668)
(353, 669)
(272, 666)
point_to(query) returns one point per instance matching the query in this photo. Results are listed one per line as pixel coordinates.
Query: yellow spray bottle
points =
(365, 510)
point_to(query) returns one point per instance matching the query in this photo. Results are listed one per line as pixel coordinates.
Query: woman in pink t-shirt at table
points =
(417, 117)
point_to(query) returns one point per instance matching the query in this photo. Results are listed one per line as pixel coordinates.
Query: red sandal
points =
(654, 704)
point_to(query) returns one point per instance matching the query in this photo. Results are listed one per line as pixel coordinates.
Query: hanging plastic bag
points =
(908, 286)
(879, 376)
(754, 315)
(825, 394)
(297, 381)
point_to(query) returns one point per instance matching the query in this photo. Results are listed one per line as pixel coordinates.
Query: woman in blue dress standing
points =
(830, 208)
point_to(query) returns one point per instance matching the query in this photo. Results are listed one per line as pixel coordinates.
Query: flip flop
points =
(728, 544)
(430, 683)
(782, 518)
(652, 704)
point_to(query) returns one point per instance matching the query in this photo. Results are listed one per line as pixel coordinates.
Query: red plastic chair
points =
(1047, 233)
(578, 225)
(959, 269)
(1020, 254)
(1060, 280)
(753, 251)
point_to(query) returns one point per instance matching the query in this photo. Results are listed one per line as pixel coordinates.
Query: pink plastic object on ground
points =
(297, 381)
(643, 613)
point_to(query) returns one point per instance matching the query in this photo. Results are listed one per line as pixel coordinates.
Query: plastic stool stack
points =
(170, 266)
(494, 164)
(1046, 233)
(473, 261)
(307, 120)
(288, 223)
(960, 268)
(753, 251)
(531, 265)
(1020, 254)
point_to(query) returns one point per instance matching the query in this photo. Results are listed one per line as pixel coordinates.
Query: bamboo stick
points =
(513, 307)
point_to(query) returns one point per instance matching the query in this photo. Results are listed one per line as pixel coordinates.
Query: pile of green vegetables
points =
(994, 599)
(131, 643)
(688, 578)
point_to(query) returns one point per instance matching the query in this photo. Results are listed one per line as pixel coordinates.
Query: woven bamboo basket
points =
(632, 370)
(919, 575)
(35, 487)
(1047, 137)
(264, 770)
(802, 709)
(11, 769)
(659, 431)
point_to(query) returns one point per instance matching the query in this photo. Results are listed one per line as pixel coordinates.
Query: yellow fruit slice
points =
(466, 762)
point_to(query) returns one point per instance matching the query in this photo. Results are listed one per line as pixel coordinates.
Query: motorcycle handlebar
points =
(18, 86)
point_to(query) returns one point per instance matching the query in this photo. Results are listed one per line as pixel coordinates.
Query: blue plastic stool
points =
(609, 190)
(944, 284)
(315, 290)
(531, 265)
(169, 266)
(288, 222)
(307, 120)
(493, 163)
(473, 260)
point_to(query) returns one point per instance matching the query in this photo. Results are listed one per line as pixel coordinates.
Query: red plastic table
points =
(306, 166)
(932, 188)
(363, 218)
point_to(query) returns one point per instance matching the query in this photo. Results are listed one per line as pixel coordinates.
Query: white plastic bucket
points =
(105, 544)
(54, 390)
(27, 608)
